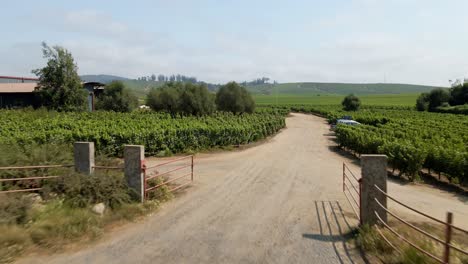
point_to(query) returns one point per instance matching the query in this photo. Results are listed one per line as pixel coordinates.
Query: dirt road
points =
(279, 202)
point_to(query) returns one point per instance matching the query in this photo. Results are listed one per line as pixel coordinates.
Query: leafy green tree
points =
(59, 85)
(459, 94)
(116, 97)
(351, 103)
(196, 100)
(437, 97)
(234, 98)
(181, 98)
(422, 103)
(165, 98)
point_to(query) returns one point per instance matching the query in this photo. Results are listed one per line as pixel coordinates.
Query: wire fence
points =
(446, 241)
(34, 182)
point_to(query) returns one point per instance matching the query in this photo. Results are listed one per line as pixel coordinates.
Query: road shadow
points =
(335, 228)
(354, 160)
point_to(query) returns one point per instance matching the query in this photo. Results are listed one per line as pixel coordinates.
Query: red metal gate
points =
(169, 172)
(355, 189)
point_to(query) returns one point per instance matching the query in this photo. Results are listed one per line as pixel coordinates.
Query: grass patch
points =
(13, 241)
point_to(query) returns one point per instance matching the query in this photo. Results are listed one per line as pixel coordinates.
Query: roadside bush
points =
(234, 98)
(81, 190)
(351, 103)
(161, 193)
(181, 98)
(116, 97)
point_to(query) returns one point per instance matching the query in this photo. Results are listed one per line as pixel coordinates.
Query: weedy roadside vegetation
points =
(61, 212)
(370, 241)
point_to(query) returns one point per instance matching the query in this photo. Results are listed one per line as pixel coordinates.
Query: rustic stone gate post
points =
(134, 158)
(84, 157)
(374, 172)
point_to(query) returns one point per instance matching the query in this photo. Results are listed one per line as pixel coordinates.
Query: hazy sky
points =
(408, 41)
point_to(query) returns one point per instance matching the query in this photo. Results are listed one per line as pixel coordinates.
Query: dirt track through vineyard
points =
(279, 202)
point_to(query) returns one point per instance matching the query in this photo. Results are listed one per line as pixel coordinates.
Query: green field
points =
(312, 88)
(380, 99)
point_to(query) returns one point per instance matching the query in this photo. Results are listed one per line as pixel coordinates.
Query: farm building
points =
(17, 92)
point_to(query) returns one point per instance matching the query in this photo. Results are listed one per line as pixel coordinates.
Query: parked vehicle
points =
(344, 122)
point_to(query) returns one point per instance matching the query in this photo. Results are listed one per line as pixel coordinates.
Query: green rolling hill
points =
(311, 88)
(300, 89)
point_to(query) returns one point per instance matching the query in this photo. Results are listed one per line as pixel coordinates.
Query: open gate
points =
(175, 174)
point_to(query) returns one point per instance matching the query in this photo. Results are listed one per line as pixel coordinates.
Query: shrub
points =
(181, 98)
(437, 97)
(82, 190)
(351, 103)
(422, 103)
(116, 97)
(234, 98)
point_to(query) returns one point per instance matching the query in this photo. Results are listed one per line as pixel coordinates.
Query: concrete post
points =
(84, 157)
(134, 158)
(374, 172)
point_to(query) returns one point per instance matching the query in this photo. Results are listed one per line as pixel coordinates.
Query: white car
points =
(347, 122)
(344, 122)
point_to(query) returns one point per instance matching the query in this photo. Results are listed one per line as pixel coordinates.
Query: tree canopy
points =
(181, 98)
(422, 103)
(234, 98)
(437, 97)
(459, 94)
(351, 103)
(59, 84)
(116, 97)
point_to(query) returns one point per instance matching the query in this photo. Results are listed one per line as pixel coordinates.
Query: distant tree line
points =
(258, 81)
(438, 98)
(168, 78)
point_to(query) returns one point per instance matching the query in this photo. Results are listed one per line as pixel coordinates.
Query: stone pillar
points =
(134, 158)
(374, 172)
(84, 157)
